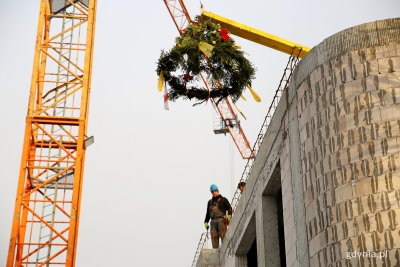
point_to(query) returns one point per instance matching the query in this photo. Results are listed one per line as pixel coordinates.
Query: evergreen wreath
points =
(205, 47)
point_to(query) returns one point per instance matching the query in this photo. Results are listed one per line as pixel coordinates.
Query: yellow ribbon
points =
(161, 81)
(256, 97)
(242, 97)
(206, 48)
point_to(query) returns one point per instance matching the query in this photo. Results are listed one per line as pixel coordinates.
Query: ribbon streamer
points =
(206, 48)
(166, 96)
(256, 97)
(161, 81)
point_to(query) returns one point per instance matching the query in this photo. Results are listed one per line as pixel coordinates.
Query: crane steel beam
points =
(179, 14)
(258, 36)
(47, 207)
(181, 18)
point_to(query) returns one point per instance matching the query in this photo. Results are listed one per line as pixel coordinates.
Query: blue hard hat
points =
(213, 187)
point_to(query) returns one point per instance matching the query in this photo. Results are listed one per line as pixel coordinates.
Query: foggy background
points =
(147, 176)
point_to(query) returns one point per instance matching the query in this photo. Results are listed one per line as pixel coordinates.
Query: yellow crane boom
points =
(258, 36)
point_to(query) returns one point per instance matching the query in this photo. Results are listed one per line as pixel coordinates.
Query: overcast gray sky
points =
(147, 175)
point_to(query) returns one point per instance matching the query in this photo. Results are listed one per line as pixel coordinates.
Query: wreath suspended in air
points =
(206, 48)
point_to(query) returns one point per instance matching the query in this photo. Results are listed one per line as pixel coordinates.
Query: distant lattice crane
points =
(181, 18)
(229, 119)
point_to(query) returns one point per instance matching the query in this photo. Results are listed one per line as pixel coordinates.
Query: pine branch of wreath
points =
(205, 47)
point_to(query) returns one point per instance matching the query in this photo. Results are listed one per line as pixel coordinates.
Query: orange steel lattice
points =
(181, 18)
(46, 217)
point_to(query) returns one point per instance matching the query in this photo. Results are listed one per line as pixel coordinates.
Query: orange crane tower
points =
(46, 216)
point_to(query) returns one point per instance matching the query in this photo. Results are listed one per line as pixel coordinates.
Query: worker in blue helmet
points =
(219, 210)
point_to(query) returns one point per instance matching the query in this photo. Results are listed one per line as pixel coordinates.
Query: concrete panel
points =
(298, 230)
(267, 232)
(208, 258)
(248, 238)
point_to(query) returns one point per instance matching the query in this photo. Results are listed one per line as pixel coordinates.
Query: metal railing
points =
(200, 246)
(283, 84)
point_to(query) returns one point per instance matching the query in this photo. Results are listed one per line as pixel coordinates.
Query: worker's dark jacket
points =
(223, 205)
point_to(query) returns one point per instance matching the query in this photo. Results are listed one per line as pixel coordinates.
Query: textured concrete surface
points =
(208, 258)
(267, 228)
(349, 124)
(333, 147)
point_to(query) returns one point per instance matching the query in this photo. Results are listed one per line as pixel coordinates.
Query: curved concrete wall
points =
(347, 92)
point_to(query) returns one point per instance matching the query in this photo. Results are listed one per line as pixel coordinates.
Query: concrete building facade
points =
(326, 184)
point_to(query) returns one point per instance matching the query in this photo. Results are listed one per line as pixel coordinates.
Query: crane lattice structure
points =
(181, 19)
(46, 216)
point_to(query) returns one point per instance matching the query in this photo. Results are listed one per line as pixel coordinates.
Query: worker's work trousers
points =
(218, 229)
